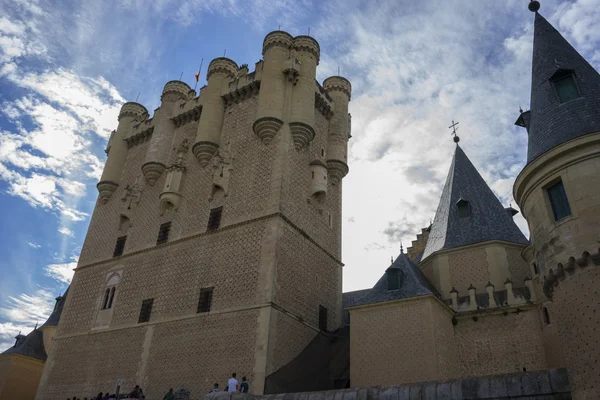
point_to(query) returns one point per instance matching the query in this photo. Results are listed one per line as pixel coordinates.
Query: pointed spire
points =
(565, 91)
(469, 212)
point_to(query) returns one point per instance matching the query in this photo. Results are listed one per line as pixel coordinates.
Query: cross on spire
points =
(454, 128)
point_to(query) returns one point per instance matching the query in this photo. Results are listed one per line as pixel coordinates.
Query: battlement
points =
(277, 38)
(339, 84)
(179, 90)
(134, 110)
(222, 65)
(308, 44)
(492, 299)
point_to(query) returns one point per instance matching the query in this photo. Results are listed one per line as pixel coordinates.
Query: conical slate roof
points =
(549, 122)
(55, 316)
(412, 283)
(488, 220)
(32, 346)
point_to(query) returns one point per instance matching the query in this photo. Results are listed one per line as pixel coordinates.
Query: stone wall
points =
(19, 377)
(541, 385)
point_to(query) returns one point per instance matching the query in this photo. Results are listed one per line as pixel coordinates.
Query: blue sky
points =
(66, 67)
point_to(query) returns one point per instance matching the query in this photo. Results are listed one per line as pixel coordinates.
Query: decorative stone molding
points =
(176, 90)
(222, 65)
(139, 137)
(222, 167)
(133, 192)
(241, 94)
(187, 117)
(277, 38)
(302, 134)
(105, 190)
(551, 281)
(323, 106)
(133, 110)
(339, 84)
(337, 171)
(307, 44)
(152, 171)
(204, 151)
(266, 128)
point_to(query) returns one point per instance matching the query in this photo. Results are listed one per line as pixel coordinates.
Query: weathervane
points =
(454, 128)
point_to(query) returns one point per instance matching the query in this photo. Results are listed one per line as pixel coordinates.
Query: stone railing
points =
(552, 384)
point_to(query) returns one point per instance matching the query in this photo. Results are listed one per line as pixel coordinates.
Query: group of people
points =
(233, 385)
(136, 393)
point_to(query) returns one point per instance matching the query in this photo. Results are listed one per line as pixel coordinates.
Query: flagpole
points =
(199, 69)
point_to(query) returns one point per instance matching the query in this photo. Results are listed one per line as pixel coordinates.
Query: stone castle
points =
(215, 246)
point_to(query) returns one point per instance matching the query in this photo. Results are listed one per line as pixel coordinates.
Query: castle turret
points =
(276, 55)
(116, 149)
(164, 129)
(208, 137)
(339, 89)
(305, 55)
(558, 192)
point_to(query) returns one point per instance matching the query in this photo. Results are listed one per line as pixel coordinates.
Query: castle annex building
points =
(215, 246)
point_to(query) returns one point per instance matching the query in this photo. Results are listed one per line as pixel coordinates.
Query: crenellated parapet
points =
(563, 271)
(277, 38)
(308, 44)
(135, 111)
(338, 84)
(222, 65)
(492, 299)
(178, 90)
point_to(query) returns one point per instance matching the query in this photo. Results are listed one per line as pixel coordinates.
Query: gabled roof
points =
(412, 284)
(32, 346)
(488, 219)
(549, 122)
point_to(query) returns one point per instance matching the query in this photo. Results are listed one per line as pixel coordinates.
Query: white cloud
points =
(66, 231)
(62, 273)
(34, 245)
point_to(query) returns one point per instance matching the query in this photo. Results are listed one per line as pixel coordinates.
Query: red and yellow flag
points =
(197, 75)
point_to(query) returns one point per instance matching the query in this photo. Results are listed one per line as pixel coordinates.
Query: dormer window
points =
(564, 83)
(464, 209)
(393, 281)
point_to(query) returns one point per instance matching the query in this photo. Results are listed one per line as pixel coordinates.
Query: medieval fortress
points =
(215, 246)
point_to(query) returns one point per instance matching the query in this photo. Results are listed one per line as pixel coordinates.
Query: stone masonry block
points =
(559, 380)
(373, 393)
(415, 392)
(361, 394)
(429, 391)
(513, 385)
(457, 393)
(404, 392)
(530, 384)
(390, 393)
(498, 386)
(444, 391)
(350, 395)
(470, 388)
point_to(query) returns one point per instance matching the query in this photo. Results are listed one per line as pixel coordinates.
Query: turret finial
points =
(392, 259)
(534, 5)
(454, 128)
(401, 248)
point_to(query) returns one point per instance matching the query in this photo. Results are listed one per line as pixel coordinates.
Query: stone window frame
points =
(551, 205)
(109, 291)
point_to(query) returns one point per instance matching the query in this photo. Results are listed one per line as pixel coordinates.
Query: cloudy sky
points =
(66, 67)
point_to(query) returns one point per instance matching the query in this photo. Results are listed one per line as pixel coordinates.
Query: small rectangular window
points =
(558, 201)
(119, 246)
(146, 310)
(535, 269)
(205, 300)
(322, 318)
(214, 220)
(163, 233)
(392, 279)
(566, 89)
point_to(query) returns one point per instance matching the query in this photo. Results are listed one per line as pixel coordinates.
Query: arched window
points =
(106, 296)
(546, 316)
(112, 296)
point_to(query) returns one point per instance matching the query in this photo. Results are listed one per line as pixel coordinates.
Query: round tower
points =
(116, 149)
(305, 52)
(208, 137)
(276, 56)
(559, 195)
(164, 129)
(339, 89)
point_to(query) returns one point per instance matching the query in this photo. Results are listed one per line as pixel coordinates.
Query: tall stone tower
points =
(559, 194)
(215, 243)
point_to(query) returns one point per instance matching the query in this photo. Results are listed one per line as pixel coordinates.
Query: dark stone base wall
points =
(552, 384)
